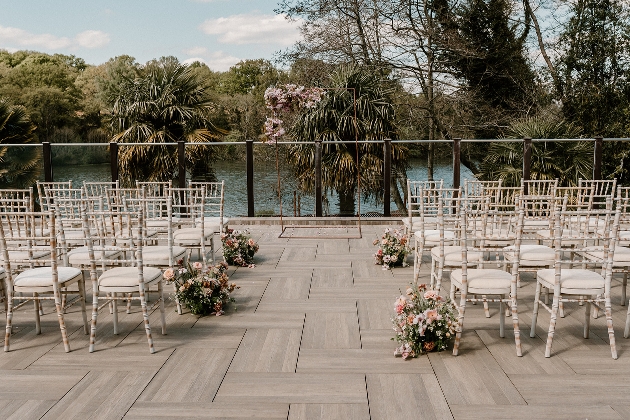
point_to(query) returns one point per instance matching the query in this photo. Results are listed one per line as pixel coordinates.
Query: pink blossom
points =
(401, 303)
(431, 315)
(431, 294)
(169, 273)
(197, 265)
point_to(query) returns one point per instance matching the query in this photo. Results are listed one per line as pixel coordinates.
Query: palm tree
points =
(20, 166)
(567, 161)
(164, 103)
(353, 89)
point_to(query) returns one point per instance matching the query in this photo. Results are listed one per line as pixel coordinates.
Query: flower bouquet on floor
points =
(424, 322)
(393, 249)
(238, 248)
(203, 291)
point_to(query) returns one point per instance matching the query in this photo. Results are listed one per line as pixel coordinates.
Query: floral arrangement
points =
(203, 291)
(284, 99)
(393, 249)
(424, 321)
(238, 248)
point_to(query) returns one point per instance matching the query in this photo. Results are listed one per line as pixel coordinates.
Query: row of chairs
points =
(487, 235)
(116, 234)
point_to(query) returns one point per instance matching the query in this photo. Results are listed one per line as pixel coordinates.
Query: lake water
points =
(266, 185)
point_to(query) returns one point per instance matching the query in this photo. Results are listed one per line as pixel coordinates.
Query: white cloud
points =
(196, 51)
(92, 39)
(217, 60)
(87, 39)
(253, 29)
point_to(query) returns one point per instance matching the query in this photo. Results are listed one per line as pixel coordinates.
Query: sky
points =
(219, 33)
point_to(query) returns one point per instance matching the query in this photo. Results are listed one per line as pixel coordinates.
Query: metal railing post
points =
(249, 151)
(181, 163)
(387, 177)
(527, 160)
(47, 156)
(113, 160)
(318, 178)
(597, 158)
(457, 150)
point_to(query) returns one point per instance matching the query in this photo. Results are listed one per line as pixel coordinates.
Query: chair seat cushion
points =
(531, 255)
(489, 281)
(433, 235)
(453, 255)
(24, 255)
(573, 280)
(214, 223)
(81, 256)
(160, 255)
(190, 236)
(42, 277)
(408, 222)
(127, 277)
(531, 224)
(621, 257)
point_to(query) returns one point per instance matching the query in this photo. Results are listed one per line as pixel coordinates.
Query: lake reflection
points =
(266, 186)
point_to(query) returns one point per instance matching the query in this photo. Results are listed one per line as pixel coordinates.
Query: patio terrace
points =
(311, 339)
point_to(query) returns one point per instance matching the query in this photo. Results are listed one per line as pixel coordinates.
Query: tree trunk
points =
(347, 202)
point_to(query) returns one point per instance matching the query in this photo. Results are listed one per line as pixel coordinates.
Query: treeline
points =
(470, 69)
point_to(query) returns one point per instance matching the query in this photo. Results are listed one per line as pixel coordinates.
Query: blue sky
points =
(217, 32)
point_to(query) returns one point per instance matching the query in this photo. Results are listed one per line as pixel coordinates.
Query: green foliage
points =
(567, 161)
(20, 167)
(165, 103)
(595, 69)
(489, 57)
(353, 89)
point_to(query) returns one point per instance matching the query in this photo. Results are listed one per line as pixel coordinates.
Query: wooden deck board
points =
(310, 337)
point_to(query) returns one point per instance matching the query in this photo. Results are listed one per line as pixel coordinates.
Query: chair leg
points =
(162, 308)
(83, 309)
(7, 334)
(416, 265)
(517, 329)
(62, 324)
(609, 324)
(460, 324)
(532, 331)
(587, 318)
(624, 285)
(94, 316)
(501, 318)
(552, 323)
(115, 314)
(486, 308)
(129, 296)
(145, 317)
(38, 323)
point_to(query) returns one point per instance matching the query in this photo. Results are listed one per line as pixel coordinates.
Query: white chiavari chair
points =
(427, 233)
(484, 278)
(413, 202)
(580, 273)
(123, 278)
(215, 199)
(188, 208)
(26, 280)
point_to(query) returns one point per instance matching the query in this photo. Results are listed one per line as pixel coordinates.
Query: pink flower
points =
(197, 265)
(401, 303)
(431, 294)
(169, 274)
(431, 315)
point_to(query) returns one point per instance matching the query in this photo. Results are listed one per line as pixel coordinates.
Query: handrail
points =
(115, 146)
